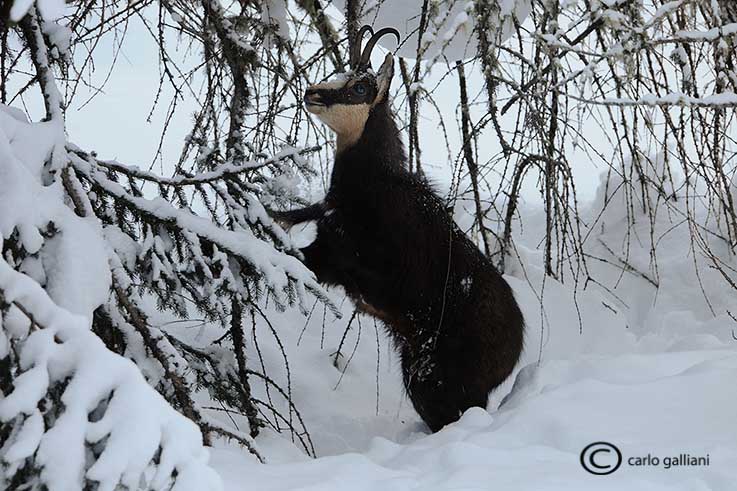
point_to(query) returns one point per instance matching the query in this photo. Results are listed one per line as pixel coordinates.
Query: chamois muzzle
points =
(312, 97)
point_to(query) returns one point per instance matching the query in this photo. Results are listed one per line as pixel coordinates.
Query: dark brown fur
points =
(386, 237)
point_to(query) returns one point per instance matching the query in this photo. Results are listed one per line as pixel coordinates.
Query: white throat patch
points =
(346, 120)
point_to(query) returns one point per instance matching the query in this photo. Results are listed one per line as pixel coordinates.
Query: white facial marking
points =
(330, 84)
(315, 109)
(346, 120)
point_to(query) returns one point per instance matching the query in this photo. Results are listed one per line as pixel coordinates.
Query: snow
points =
(278, 269)
(75, 254)
(50, 9)
(709, 35)
(727, 99)
(19, 9)
(667, 8)
(535, 440)
(59, 35)
(275, 13)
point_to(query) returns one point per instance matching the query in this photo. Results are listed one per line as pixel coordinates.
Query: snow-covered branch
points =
(103, 244)
(723, 100)
(223, 170)
(104, 398)
(283, 274)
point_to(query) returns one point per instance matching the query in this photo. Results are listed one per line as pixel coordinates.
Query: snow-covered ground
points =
(663, 405)
(650, 371)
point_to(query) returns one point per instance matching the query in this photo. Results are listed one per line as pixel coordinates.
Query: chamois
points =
(386, 237)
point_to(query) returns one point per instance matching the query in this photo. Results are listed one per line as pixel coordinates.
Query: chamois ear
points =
(384, 77)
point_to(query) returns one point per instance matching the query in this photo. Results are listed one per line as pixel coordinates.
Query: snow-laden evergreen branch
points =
(88, 235)
(108, 412)
(714, 101)
(223, 170)
(283, 274)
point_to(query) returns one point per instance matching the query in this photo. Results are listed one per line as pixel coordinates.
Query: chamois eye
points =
(359, 89)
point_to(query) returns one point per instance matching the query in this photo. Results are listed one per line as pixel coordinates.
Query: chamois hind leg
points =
(431, 394)
(440, 385)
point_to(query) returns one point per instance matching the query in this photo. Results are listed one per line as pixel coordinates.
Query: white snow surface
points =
(663, 404)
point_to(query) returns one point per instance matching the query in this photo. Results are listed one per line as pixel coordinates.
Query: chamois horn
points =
(355, 55)
(366, 56)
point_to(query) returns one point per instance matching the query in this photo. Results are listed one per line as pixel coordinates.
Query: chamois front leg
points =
(293, 217)
(321, 259)
(335, 262)
(333, 256)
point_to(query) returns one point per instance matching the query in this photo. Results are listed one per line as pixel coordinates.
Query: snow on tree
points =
(73, 401)
(86, 243)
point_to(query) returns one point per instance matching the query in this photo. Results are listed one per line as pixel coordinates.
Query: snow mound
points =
(663, 405)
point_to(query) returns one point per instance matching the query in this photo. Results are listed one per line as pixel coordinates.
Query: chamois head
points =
(344, 103)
